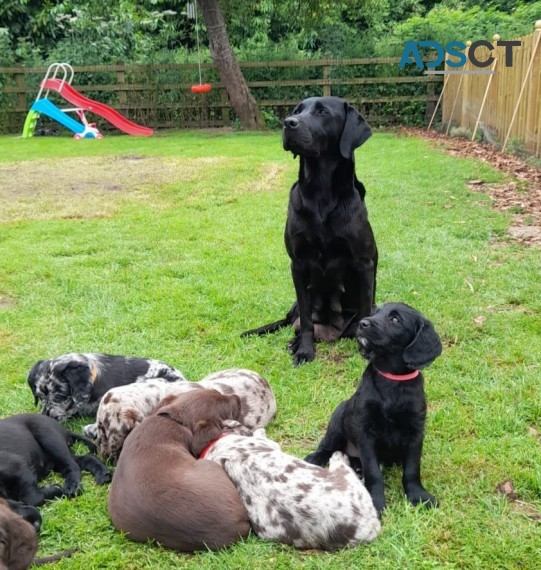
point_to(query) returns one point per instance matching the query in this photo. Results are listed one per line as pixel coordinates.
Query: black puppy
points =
(73, 384)
(383, 422)
(328, 238)
(31, 446)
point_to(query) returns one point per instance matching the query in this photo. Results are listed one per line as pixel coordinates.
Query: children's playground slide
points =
(114, 117)
(43, 106)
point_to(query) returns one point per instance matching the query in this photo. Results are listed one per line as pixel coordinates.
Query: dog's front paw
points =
(304, 355)
(423, 498)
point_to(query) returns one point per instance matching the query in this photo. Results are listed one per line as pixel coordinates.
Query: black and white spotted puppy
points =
(291, 501)
(124, 407)
(73, 384)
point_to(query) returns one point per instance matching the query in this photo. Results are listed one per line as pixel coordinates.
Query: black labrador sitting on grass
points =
(328, 237)
(383, 422)
(31, 446)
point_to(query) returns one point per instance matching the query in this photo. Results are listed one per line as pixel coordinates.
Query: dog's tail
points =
(54, 557)
(290, 318)
(90, 444)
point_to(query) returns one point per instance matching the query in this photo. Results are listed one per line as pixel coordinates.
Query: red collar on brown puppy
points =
(398, 377)
(205, 451)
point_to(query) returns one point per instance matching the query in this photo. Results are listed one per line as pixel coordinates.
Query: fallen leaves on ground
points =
(520, 197)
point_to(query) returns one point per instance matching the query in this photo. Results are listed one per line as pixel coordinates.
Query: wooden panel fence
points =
(159, 95)
(505, 106)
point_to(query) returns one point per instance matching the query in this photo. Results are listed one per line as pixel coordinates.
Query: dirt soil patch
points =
(84, 187)
(519, 195)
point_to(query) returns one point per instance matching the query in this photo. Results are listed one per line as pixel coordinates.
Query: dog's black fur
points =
(383, 422)
(73, 384)
(328, 237)
(31, 446)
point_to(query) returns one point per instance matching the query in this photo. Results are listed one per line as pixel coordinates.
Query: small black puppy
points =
(31, 446)
(73, 384)
(383, 422)
(328, 236)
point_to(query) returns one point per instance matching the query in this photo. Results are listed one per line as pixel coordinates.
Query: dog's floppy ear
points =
(205, 431)
(79, 377)
(424, 348)
(33, 378)
(228, 407)
(356, 132)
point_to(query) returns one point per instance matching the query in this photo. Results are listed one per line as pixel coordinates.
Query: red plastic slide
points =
(114, 117)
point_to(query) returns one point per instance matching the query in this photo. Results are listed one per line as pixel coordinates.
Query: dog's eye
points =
(296, 111)
(395, 319)
(321, 111)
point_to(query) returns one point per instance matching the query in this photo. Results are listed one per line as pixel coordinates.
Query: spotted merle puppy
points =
(124, 407)
(73, 384)
(287, 499)
(383, 422)
(31, 446)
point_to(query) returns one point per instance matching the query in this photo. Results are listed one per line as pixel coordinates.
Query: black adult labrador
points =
(328, 237)
(383, 422)
(32, 445)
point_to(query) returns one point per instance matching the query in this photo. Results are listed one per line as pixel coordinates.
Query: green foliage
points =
(445, 24)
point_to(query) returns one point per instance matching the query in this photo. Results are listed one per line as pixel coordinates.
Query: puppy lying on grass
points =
(125, 407)
(287, 499)
(161, 492)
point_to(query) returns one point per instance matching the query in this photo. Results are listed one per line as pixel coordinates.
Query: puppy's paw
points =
(91, 430)
(103, 477)
(72, 489)
(316, 459)
(423, 498)
(52, 491)
(338, 458)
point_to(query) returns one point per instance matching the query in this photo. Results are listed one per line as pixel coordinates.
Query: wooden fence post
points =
(224, 99)
(468, 43)
(21, 86)
(536, 39)
(327, 78)
(122, 93)
(495, 38)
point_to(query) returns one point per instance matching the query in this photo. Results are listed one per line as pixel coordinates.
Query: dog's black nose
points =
(291, 122)
(365, 323)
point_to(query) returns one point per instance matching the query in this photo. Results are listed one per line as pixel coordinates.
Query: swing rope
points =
(197, 39)
(202, 87)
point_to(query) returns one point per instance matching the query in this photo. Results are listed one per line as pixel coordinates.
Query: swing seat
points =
(201, 88)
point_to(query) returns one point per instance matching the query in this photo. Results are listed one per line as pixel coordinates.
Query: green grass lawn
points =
(169, 247)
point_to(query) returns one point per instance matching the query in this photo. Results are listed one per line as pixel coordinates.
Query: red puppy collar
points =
(398, 377)
(205, 451)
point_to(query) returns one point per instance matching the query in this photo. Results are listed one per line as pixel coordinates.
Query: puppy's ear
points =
(227, 407)
(234, 402)
(356, 132)
(33, 378)
(79, 377)
(424, 348)
(20, 542)
(204, 432)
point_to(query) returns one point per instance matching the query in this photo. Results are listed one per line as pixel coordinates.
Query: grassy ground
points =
(170, 246)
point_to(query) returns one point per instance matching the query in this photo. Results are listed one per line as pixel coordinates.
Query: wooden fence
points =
(159, 95)
(504, 106)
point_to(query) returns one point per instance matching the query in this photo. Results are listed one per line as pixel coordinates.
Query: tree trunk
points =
(230, 74)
